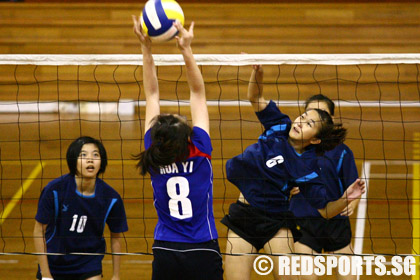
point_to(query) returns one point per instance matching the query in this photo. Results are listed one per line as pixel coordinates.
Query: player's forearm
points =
(43, 265)
(255, 90)
(116, 259)
(150, 81)
(40, 247)
(333, 208)
(355, 203)
(194, 77)
(116, 263)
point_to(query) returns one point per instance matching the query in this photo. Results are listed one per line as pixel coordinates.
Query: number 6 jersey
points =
(183, 194)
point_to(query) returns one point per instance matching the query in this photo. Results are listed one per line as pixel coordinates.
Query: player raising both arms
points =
(178, 159)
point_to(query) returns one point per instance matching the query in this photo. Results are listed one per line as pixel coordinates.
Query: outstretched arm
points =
(199, 112)
(352, 193)
(150, 81)
(41, 247)
(255, 89)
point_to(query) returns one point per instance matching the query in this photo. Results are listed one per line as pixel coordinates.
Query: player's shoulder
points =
(106, 188)
(59, 183)
(345, 150)
(272, 115)
(201, 143)
(339, 150)
(343, 146)
(198, 132)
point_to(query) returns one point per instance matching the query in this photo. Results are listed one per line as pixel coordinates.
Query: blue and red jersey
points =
(75, 223)
(183, 194)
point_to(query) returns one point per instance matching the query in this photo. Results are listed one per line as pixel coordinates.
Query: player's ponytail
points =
(170, 138)
(330, 134)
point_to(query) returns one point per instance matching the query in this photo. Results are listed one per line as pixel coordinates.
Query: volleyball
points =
(157, 19)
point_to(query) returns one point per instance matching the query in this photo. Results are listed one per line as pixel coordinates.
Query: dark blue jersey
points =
(76, 223)
(338, 170)
(183, 194)
(266, 170)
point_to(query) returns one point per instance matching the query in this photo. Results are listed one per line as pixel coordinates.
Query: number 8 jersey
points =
(183, 194)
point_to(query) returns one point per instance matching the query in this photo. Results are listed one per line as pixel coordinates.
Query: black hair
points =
(170, 140)
(321, 98)
(330, 134)
(74, 149)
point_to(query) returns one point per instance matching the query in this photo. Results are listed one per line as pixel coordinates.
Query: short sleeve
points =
(46, 209)
(271, 116)
(201, 140)
(315, 193)
(316, 196)
(147, 139)
(347, 168)
(117, 220)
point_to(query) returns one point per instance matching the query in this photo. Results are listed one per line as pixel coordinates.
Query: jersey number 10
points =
(182, 198)
(81, 225)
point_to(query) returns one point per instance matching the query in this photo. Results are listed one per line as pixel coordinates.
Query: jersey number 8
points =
(184, 191)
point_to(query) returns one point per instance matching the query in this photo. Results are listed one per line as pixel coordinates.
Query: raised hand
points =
(184, 38)
(138, 30)
(256, 67)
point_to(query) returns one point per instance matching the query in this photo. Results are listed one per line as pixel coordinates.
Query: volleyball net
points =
(47, 101)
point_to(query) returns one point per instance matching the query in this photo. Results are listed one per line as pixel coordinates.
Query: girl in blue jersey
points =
(178, 159)
(72, 212)
(284, 156)
(338, 169)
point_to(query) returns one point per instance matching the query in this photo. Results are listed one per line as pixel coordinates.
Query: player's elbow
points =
(116, 236)
(324, 213)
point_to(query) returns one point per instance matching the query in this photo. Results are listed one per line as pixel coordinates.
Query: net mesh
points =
(48, 101)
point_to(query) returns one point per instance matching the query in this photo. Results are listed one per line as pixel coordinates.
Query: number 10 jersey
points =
(183, 194)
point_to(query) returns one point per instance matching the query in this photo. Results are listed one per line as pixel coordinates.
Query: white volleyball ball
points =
(157, 19)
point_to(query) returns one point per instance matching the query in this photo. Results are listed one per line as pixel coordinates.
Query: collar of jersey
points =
(311, 147)
(82, 195)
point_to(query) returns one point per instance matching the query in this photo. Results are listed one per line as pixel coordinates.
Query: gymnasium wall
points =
(106, 28)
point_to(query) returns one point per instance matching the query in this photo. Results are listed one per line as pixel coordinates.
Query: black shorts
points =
(189, 261)
(321, 234)
(257, 226)
(80, 276)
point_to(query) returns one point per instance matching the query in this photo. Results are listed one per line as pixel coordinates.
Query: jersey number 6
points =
(184, 191)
